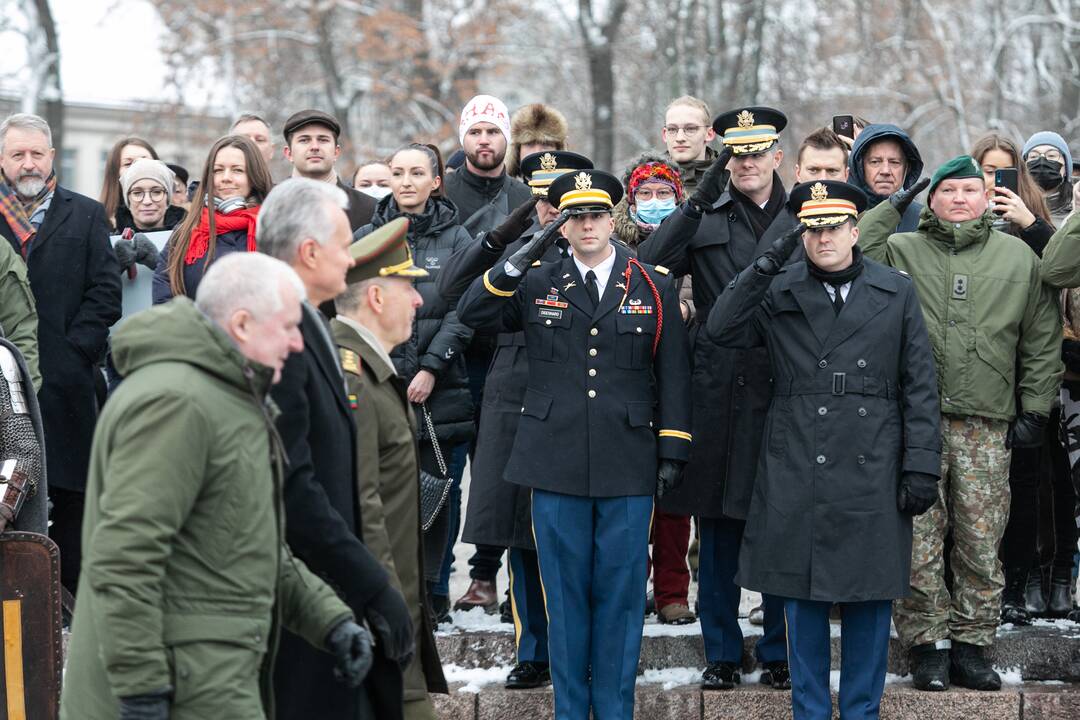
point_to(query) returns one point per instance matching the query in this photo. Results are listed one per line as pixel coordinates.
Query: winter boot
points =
(930, 666)
(482, 594)
(970, 668)
(720, 676)
(1012, 599)
(1034, 595)
(1060, 602)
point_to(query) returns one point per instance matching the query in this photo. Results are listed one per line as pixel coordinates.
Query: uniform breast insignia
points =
(633, 306)
(551, 301)
(960, 287)
(661, 269)
(354, 403)
(350, 362)
(566, 275)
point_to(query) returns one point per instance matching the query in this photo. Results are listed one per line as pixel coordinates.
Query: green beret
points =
(961, 166)
(383, 252)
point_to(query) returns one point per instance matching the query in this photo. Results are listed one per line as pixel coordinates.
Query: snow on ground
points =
(475, 620)
(672, 677)
(1010, 676)
(475, 679)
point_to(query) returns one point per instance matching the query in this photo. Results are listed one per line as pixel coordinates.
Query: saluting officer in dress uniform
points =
(499, 513)
(604, 426)
(851, 448)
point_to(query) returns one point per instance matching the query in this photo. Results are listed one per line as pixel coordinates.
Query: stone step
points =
(654, 702)
(1045, 651)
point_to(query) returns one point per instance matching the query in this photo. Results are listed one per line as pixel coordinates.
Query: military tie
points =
(590, 286)
(838, 298)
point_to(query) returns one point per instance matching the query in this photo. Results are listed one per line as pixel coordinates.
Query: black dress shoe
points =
(1060, 601)
(776, 675)
(929, 667)
(527, 675)
(506, 614)
(1012, 599)
(720, 676)
(970, 668)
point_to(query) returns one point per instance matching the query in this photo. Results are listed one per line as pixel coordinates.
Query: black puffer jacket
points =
(439, 339)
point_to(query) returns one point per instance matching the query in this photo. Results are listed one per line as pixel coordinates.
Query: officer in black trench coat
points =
(851, 448)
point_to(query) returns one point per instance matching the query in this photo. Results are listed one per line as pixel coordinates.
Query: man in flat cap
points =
(499, 513)
(375, 314)
(312, 147)
(604, 426)
(713, 236)
(851, 448)
(996, 334)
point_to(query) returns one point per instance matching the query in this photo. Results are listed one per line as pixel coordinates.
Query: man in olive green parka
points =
(187, 579)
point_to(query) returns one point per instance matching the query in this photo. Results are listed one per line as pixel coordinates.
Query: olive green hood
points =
(178, 332)
(955, 235)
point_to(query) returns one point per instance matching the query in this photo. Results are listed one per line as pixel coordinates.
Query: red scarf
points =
(242, 219)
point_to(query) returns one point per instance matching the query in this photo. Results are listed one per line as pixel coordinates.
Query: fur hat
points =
(531, 124)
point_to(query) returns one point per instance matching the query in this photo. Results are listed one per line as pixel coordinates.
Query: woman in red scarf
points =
(240, 181)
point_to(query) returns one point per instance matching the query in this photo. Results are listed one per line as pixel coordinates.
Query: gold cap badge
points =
(583, 181)
(746, 119)
(819, 192)
(548, 162)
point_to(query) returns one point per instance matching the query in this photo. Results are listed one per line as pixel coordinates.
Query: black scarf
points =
(761, 218)
(837, 278)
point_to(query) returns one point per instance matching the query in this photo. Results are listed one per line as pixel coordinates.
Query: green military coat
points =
(388, 488)
(18, 316)
(186, 579)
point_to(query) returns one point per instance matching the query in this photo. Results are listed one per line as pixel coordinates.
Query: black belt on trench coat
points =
(840, 384)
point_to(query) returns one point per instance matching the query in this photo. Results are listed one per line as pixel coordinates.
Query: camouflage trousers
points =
(973, 501)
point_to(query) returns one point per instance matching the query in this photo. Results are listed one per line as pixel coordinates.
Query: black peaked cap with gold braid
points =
(540, 169)
(824, 203)
(384, 252)
(585, 191)
(750, 130)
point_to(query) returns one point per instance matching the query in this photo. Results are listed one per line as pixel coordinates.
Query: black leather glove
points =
(917, 493)
(350, 645)
(388, 616)
(125, 253)
(513, 226)
(533, 250)
(902, 198)
(1070, 355)
(1026, 431)
(778, 253)
(152, 706)
(146, 253)
(712, 183)
(669, 475)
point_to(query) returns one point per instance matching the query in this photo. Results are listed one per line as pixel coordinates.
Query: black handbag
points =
(433, 489)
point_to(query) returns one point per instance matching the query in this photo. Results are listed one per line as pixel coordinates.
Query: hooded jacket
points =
(856, 176)
(185, 567)
(438, 339)
(994, 325)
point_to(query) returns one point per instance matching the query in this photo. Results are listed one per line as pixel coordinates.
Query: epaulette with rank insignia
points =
(661, 269)
(350, 362)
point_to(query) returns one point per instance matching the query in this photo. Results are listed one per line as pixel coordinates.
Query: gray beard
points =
(30, 187)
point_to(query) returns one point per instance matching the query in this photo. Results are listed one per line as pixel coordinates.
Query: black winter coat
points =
(323, 528)
(731, 386)
(75, 278)
(499, 512)
(855, 404)
(227, 243)
(173, 216)
(439, 339)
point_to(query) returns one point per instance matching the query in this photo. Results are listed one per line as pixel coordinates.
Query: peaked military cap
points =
(585, 191)
(824, 203)
(541, 168)
(750, 130)
(310, 117)
(384, 253)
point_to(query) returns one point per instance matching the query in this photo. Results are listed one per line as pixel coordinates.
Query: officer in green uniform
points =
(374, 315)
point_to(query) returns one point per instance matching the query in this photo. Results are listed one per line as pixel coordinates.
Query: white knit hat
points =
(147, 169)
(484, 108)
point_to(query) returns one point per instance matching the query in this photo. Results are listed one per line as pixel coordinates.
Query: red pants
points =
(671, 577)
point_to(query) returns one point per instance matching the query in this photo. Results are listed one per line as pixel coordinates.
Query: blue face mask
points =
(653, 212)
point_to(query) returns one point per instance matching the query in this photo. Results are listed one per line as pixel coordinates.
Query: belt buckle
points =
(839, 383)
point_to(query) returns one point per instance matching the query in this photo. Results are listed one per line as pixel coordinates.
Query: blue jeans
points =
(455, 465)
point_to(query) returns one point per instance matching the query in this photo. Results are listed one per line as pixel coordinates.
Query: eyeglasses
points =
(156, 195)
(687, 130)
(1051, 155)
(648, 194)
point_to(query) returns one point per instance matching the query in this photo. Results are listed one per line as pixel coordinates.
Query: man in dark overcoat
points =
(851, 448)
(75, 278)
(713, 236)
(322, 510)
(604, 425)
(499, 513)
